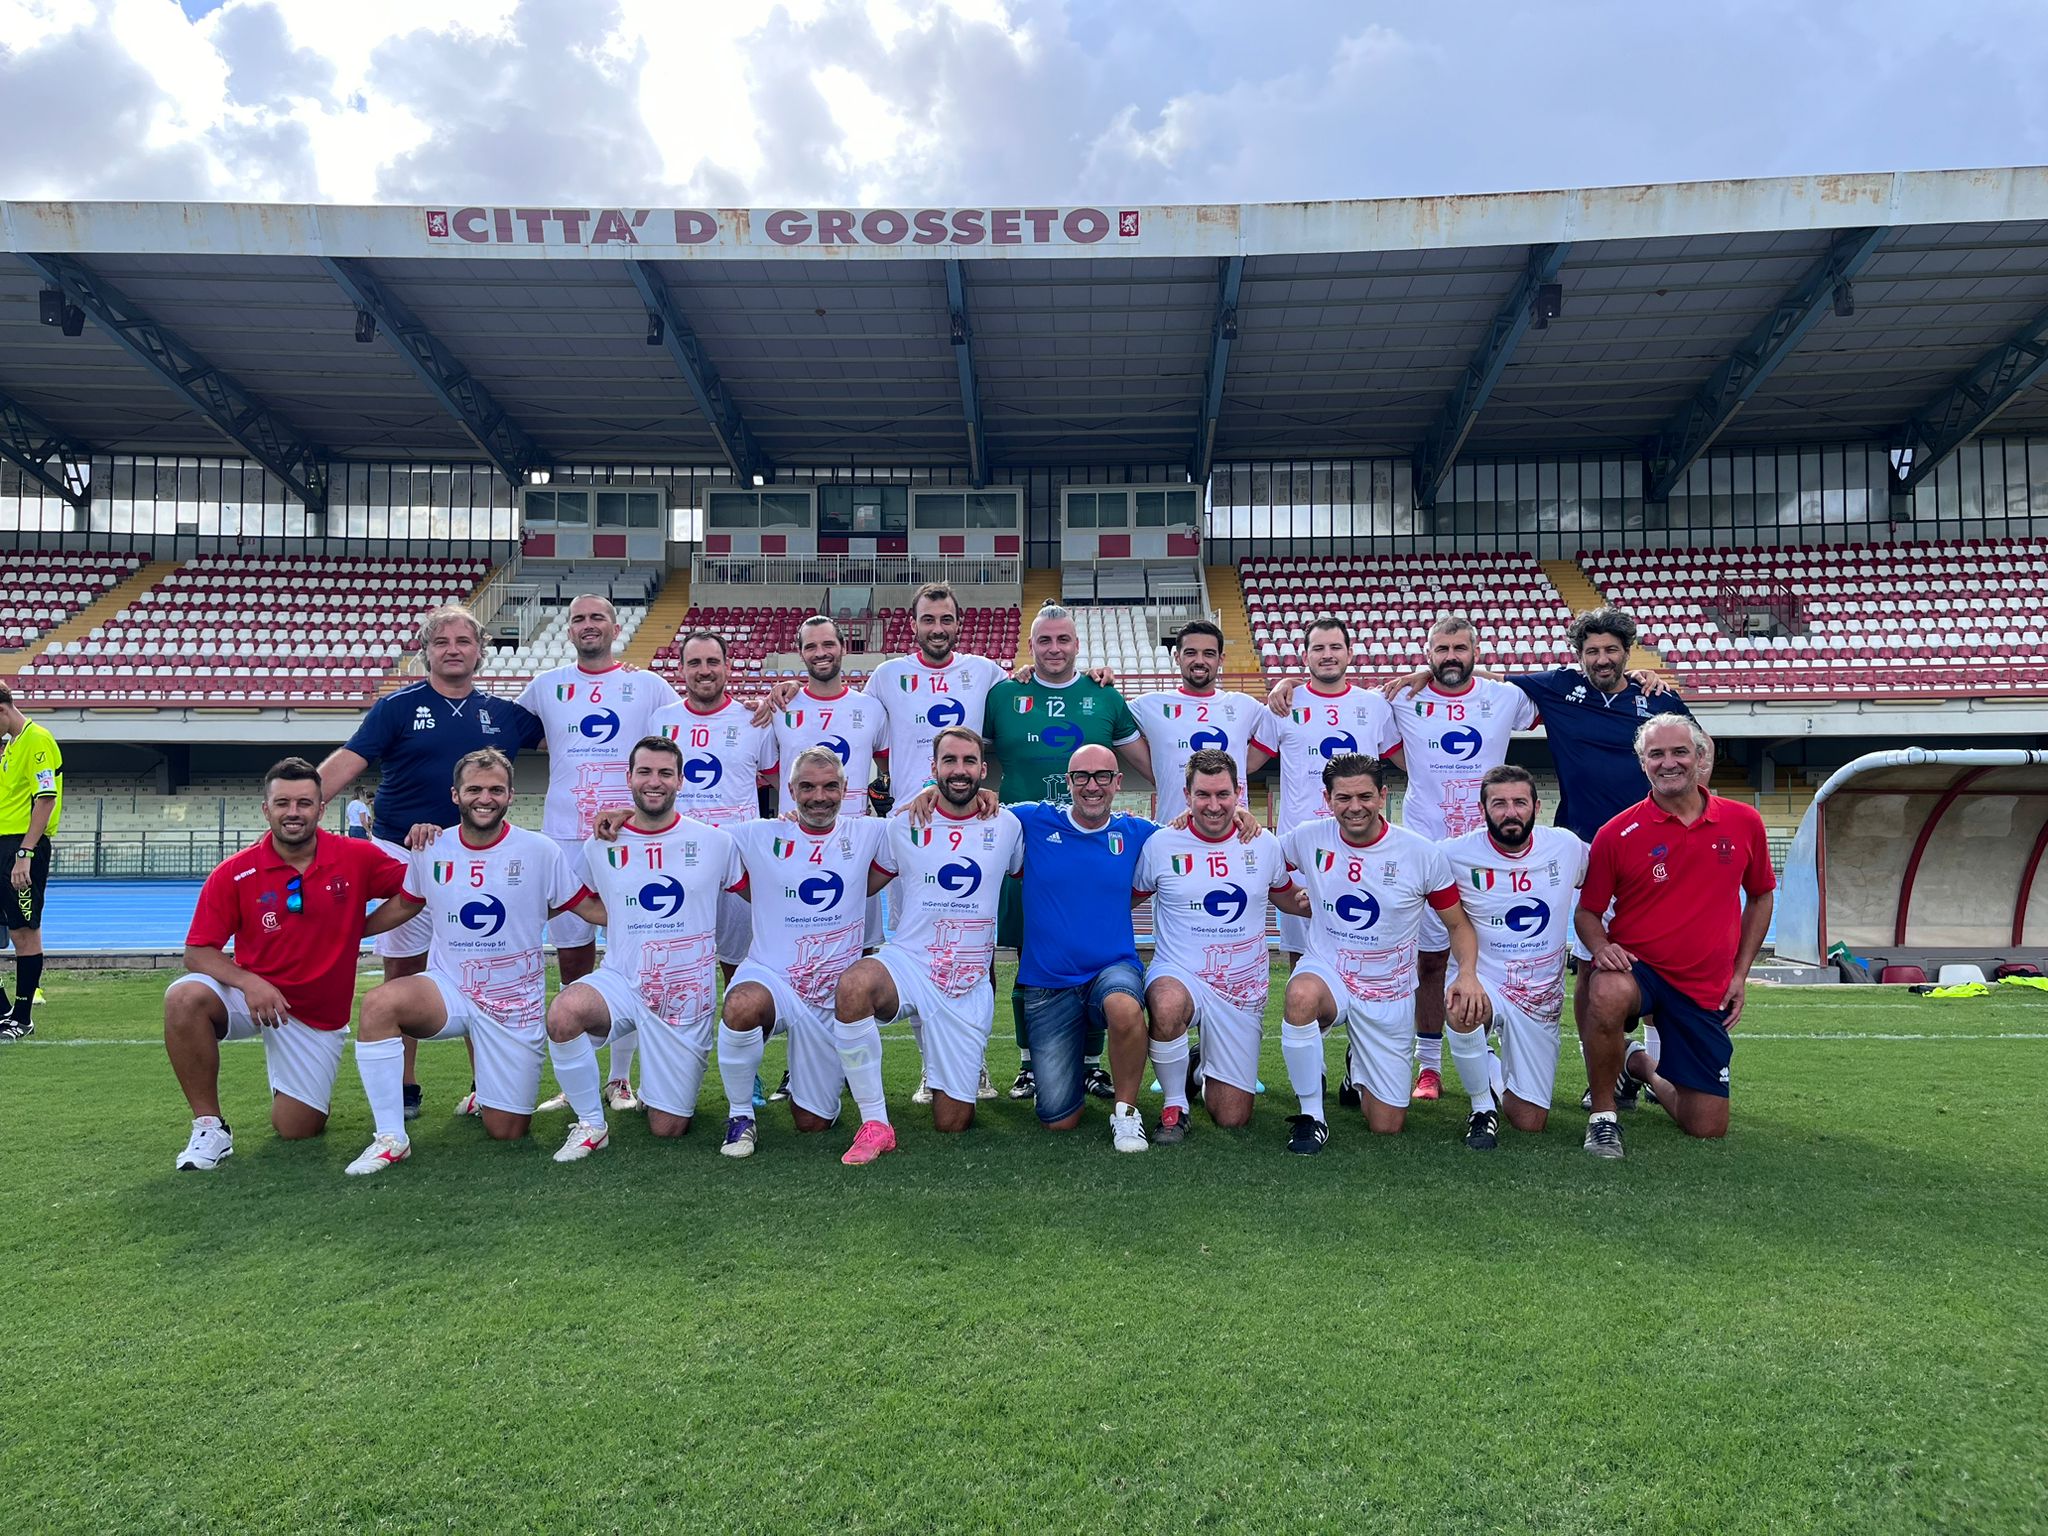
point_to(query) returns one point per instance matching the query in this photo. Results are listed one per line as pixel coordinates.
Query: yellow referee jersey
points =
(30, 765)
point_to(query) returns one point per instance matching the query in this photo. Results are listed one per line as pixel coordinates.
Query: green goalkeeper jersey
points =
(1034, 728)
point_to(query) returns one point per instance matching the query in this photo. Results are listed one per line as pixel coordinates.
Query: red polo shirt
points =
(1675, 889)
(308, 955)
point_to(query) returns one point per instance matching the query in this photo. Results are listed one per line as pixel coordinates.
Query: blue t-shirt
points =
(1077, 895)
(1593, 740)
(418, 735)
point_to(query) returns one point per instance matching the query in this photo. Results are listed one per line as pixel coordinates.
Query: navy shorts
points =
(1696, 1047)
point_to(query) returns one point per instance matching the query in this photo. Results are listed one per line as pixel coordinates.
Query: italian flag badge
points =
(565, 691)
(1116, 842)
(1482, 879)
(1325, 860)
(793, 718)
(1302, 716)
(922, 836)
(616, 857)
(444, 871)
(784, 847)
(1024, 703)
(1183, 863)
(908, 682)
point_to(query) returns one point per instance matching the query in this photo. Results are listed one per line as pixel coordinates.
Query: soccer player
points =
(806, 879)
(935, 968)
(1368, 884)
(1519, 883)
(1210, 962)
(487, 889)
(659, 884)
(590, 711)
(417, 735)
(1312, 722)
(1680, 942)
(31, 810)
(1197, 717)
(292, 906)
(1034, 728)
(724, 756)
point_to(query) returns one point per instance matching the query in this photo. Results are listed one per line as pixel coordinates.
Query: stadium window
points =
(732, 509)
(1080, 509)
(611, 509)
(940, 511)
(540, 509)
(644, 508)
(785, 509)
(1112, 509)
(863, 511)
(999, 511)
(1148, 509)
(572, 509)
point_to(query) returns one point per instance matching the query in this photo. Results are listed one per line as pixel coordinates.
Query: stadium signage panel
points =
(914, 228)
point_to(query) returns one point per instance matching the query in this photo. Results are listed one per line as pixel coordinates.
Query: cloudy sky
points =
(972, 102)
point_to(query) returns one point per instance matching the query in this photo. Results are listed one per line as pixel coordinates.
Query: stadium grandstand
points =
(1792, 425)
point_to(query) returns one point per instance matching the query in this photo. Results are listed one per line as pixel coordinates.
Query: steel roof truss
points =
(741, 449)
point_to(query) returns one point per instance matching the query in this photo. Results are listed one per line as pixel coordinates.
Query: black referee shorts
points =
(24, 909)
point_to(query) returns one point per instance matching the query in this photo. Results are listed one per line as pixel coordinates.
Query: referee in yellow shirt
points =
(31, 804)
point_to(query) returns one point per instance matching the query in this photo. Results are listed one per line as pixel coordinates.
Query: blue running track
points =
(118, 914)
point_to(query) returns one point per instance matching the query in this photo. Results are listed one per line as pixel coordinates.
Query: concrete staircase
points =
(664, 618)
(1226, 596)
(83, 622)
(1579, 594)
(1040, 587)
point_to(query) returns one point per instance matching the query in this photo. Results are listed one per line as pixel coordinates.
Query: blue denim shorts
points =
(1057, 1024)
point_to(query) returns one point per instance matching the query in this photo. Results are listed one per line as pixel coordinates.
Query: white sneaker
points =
(924, 1090)
(984, 1089)
(584, 1139)
(618, 1095)
(209, 1147)
(380, 1154)
(468, 1105)
(559, 1101)
(1127, 1129)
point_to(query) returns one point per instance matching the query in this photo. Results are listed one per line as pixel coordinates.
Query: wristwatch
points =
(24, 853)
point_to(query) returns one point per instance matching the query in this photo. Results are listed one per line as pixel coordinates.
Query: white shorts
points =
(301, 1060)
(815, 1073)
(877, 926)
(1293, 933)
(1528, 1050)
(1382, 1035)
(673, 1052)
(954, 1031)
(1579, 951)
(1230, 1034)
(735, 928)
(507, 1057)
(409, 939)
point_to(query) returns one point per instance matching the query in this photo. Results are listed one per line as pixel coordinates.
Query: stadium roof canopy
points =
(1892, 308)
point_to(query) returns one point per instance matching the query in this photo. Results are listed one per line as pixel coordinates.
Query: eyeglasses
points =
(294, 894)
(1101, 778)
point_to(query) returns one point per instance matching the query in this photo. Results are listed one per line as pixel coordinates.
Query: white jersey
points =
(853, 725)
(921, 700)
(1318, 727)
(660, 892)
(488, 908)
(1177, 724)
(1209, 908)
(1366, 904)
(1448, 741)
(1521, 907)
(724, 754)
(591, 720)
(810, 895)
(949, 879)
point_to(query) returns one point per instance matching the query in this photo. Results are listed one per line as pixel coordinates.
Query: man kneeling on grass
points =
(293, 907)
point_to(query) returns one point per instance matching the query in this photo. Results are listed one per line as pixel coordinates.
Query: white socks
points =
(1429, 1052)
(860, 1056)
(739, 1062)
(622, 1049)
(575, 1066)
(1170, 1063)
(382, 1065)
(1475, 1065)
(1301, 1047)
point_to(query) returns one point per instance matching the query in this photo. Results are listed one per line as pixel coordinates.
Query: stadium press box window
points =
(863, 511)
(1132, 507)
(727, 509)
(593, 508)
(998, 511)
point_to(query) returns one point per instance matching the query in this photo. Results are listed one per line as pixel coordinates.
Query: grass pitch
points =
(1834, 1320)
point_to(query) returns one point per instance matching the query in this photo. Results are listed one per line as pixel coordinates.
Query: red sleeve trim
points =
(581, 892)
(1444, 899)
(410, 894)
(882, 869)
(1394, 750)
(736, 889)
(1284, 886)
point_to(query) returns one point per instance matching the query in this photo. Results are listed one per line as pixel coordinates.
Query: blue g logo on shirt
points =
(1343, 741)
(1226, 903)
(821, 891)
(1464, 743)
(1065, 738)
(600, 727)
(1533, 916)
(702, 772)
(944, 713)
(961, 879)
(840, 748)
(483, 917)
(663, 898)
(1360, 911)
(1208, 741)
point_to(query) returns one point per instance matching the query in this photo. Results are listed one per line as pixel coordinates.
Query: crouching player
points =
(1368, 884)
(1519, 885)
(1210, 961)
(488, 889)
(809, 880)
(659, 886)
(292, 906)
(935, 970)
